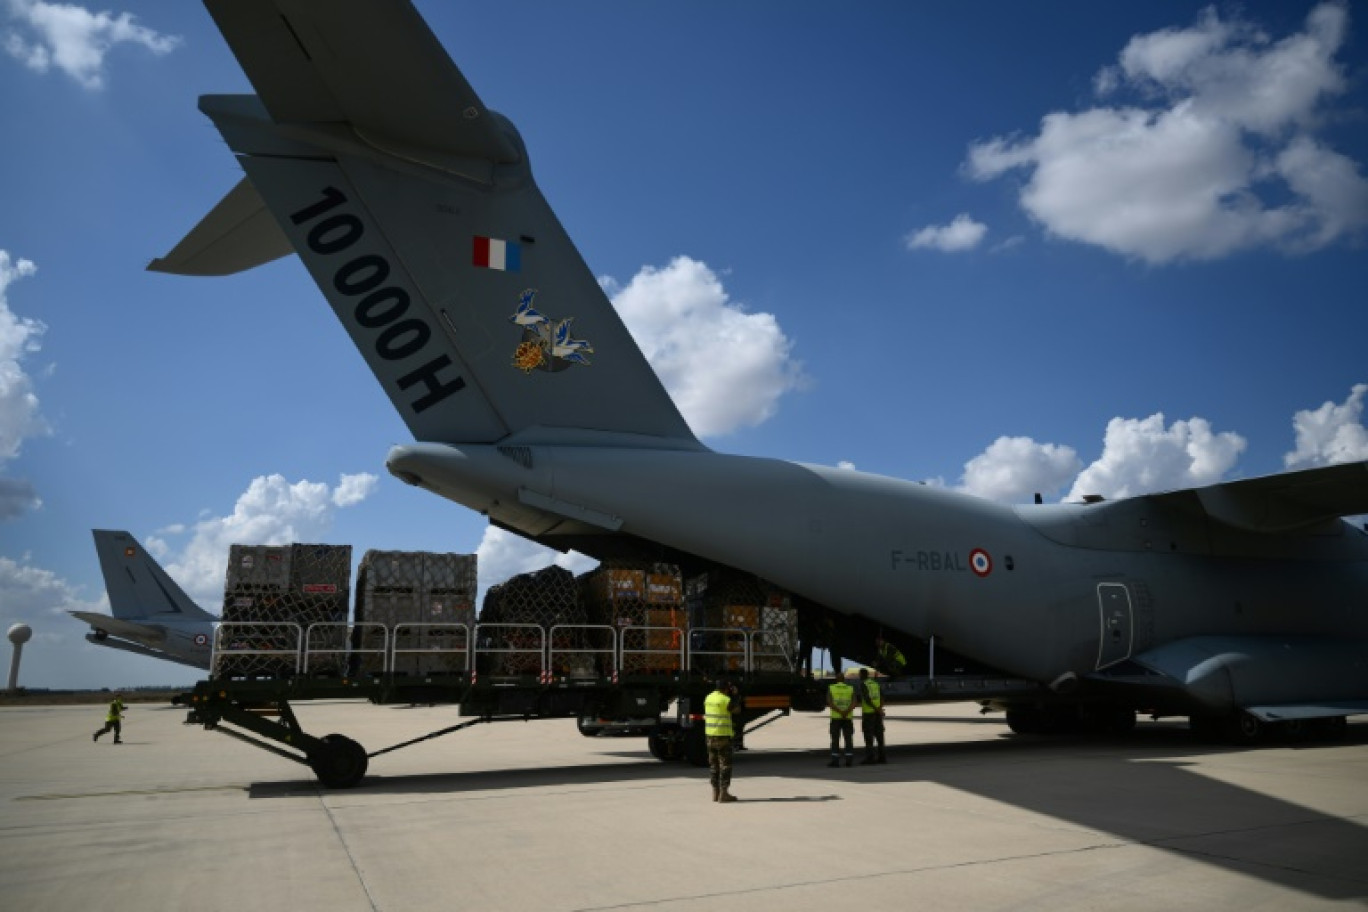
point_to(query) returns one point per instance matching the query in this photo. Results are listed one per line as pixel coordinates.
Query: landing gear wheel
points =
(1293, 730)
(340, 763)
(1025, 720)
(1205, 727)
(1243, 728)
(1334, 728)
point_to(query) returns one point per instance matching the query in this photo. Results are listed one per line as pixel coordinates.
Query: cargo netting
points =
(278, 603)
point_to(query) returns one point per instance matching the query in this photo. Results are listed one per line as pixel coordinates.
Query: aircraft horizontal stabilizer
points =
(193, 662)
(1280, 503)
(145, 632)
(237, 234)
(376, 66)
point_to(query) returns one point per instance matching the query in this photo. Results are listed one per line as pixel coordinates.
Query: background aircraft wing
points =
(1279, 503)
(150, 632)
(374, 65)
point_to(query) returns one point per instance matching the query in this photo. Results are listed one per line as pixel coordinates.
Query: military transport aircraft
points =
(151, 615)
(414, 208)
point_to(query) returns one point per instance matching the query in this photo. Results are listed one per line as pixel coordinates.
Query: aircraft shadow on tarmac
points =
(1138, 788)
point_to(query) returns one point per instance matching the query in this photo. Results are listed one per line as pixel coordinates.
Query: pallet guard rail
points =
(259, 710)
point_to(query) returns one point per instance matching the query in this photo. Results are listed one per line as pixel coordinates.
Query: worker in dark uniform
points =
(841, 702)
(891, 660)
(113, 720)
(871, 718)
(718, 727)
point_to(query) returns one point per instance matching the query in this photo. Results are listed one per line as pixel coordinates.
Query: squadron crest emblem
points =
(546, 342)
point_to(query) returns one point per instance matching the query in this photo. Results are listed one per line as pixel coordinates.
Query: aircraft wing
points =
(128, 629)
(376, 66)
(1279, 503)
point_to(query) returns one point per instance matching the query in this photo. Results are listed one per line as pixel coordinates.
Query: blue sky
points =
(1071, 248)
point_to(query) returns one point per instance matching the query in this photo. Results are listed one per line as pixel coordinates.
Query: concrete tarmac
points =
(532, 816)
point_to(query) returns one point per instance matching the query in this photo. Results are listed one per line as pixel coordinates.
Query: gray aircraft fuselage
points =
(1030, 590)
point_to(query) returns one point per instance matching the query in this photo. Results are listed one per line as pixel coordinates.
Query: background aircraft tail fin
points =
(414, 208)
(138, 587)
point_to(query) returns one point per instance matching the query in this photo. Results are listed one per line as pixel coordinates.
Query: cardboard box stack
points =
(728, 600)
(426, 602)
(547, 598)
(645, 602)
(272, 593)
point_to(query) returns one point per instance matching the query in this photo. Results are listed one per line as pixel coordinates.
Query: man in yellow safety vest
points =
(718, 728)
(891, 659)
(841, 702)
(871, 718)
(113, 720)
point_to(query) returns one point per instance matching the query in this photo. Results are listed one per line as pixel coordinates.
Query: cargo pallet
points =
(606, 677)
(569, 671)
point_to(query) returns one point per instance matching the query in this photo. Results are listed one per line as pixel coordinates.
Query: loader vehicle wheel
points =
(666, 743)
(340, 763)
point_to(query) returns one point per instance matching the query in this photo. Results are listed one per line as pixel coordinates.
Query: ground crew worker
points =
(719, 728)
(871, 718)
(891, 659)
(841, 702)
(113, 720)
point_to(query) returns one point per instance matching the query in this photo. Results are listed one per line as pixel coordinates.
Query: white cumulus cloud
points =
(1144, 456)
(1331, 434)
(963, 233)
(1015, 469)
(35, 596)
(1208, 148)
(724, 367)
(20, 416)
(73, 39)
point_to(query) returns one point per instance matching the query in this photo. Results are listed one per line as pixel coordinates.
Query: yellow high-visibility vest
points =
(873, 700)
(115, 713)
(842, 695)
(717, 721)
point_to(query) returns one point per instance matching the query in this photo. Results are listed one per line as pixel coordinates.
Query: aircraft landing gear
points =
(1243, 728)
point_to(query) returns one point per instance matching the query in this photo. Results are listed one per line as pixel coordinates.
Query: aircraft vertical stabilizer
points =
(137, 585)
(413, 207)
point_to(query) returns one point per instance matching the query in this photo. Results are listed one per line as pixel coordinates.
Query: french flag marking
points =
(493, 253)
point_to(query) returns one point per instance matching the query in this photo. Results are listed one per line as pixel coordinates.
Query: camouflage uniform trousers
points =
(720, 761)
(872, 727)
